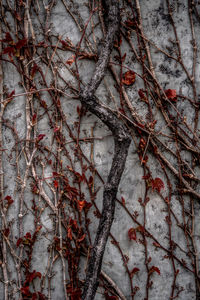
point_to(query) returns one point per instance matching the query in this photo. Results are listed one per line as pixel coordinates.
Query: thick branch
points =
(122, 142)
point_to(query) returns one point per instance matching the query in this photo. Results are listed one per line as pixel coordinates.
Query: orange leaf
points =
(128, 78)
(81, 204)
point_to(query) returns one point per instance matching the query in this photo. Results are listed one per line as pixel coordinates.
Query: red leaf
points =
(34, 296)
(154, 269)
(55, 183)
(130, 23)
(141, 94)
(142, 144)
(6, 232)
(90, 180)
(56, 129)
(81, 238)
(145, 177)
(20, 44)
(55, 174)
(132, 234)
(11, 95)
(34, 69)
(157, 184)
(17, 16)
(69, 233)
(70, 60)
(128, 78)
(87, 206)
(28, 235)
(141, 229)
(34, 275)
(123, 201)
(43, 104)
(121, 110)
(123, 57)
(7, 38)
(25, 291)
(38, 228)
(19, 241)
(65, 44)
(9, 50)
(9, 200)
(156, 245)
(81, 204)
(110, 297)
(135, 270)
(40, 137)
(76, 294)
(41, 296)
(34, 117)
(171, 95)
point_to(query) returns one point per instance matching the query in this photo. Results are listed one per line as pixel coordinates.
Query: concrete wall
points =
(171, 75)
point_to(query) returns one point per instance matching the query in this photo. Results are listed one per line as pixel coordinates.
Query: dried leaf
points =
(81, 204)
(25, 291)
(71, 60)
(40, 137)
(43, 104)
(6, 232)
(123, 201)
(9, 200)
(129, 78)
(19, 241)
(34, 118)
(34, 69)
(81, 238)
(55, 183)
(34, 275)
(171, 95)
(7, 38)
(132, 234)
(21, 43)
(9, 50)
(154, 269)
(69, 233)
(134, 271)
(157, 184)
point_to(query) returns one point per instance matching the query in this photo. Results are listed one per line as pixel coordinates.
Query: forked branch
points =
(122, 142)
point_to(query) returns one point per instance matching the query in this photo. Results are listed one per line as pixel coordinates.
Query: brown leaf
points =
(128, 78)
(132, 234)
(171, 95)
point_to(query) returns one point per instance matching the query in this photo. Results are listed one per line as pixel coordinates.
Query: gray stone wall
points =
(98, 149)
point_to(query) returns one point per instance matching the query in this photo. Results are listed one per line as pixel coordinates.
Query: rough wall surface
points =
(99, 150)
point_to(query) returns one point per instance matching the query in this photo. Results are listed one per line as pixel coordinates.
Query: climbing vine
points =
(100, 83)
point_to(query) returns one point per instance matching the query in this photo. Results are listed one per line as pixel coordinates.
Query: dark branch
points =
(122, 142)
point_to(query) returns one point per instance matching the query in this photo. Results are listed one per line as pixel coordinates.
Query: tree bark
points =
(122, 142)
